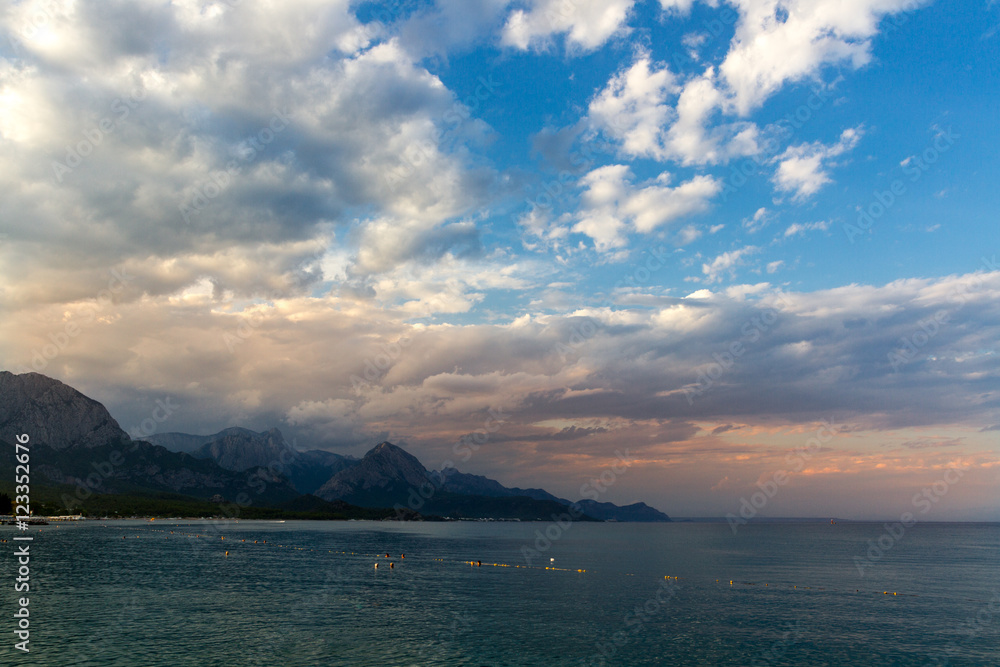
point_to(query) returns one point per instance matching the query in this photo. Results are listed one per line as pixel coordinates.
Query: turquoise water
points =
(156, 598)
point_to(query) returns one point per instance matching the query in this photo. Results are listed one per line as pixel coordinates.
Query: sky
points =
(747, 246)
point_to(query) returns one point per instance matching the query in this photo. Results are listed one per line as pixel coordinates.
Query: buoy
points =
(391, 566)
(376, 566)
(227, 553)
(402, 555)
(479, 563)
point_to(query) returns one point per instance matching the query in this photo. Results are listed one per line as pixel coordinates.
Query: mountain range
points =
(79, 449)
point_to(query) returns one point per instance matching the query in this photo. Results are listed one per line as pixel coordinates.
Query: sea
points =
(177, 592)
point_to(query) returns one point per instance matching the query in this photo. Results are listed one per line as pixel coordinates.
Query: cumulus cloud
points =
(587, 24)
(804, 169)
(780, 41)
(635, 109)
(229, 144)
(611, 204)
(651, 113)
(726, 262)
(632, 108)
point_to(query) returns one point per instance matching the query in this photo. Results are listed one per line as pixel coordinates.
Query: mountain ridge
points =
(77, 444)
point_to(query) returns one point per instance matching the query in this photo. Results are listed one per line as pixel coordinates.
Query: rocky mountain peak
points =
(384, 465)
(54, 414)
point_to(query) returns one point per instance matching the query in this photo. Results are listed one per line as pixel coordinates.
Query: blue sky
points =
(698, 229)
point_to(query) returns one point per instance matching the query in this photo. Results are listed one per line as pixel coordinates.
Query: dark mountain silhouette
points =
(240, 449)
(187, 443)
(78, 449)
(388, 476)
(458, 482)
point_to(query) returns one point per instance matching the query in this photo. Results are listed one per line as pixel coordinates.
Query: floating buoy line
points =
(731, 583)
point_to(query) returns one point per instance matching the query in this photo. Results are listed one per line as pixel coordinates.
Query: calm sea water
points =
(797, 596)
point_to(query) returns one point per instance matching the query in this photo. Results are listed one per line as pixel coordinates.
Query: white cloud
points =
(611, 203)
(363, 137)
(587, 24)
(679, 6)
(726, 262)
(801, 228)
(634, 109)
(778, 41)
(760, 219)
(803, 169)
(772, 267)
